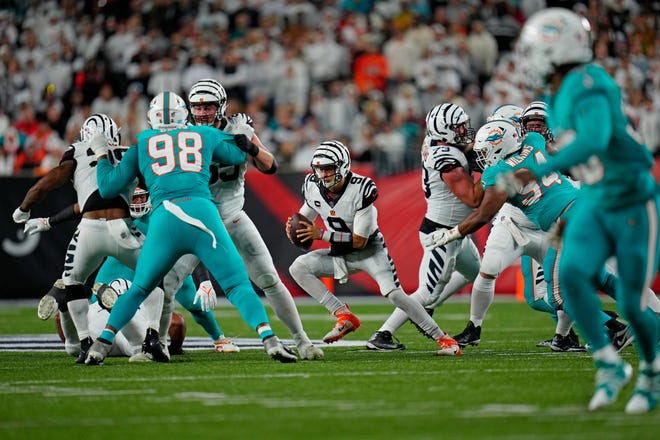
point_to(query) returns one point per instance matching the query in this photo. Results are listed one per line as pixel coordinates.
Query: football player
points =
(174, 160)
(617, 214)
(106, 227)
(451, 194)
(345, 202)
(511, 236)
(113, 269)
(208, 105)
(544, 201)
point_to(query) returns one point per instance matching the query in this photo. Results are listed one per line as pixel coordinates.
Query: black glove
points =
(244, 144)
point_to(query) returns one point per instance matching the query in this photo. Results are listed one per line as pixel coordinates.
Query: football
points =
(295, 225)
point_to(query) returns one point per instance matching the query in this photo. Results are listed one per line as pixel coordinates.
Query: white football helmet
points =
(551, 38)
(510, 112)
(100, 123)
(494, 141)
(208, 91)
(167, 111)
(537, 111)
(120, 285)
(331, 153)
(137, 207)
(448, 123)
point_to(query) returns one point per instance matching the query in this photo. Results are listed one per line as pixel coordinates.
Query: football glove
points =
(21, 216)
(244, 144)
(36, 225)
(240, 124)
(206, 296)
(441, 237)
(99, 145)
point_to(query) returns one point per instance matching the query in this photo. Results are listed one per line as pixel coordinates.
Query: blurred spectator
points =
(165, 76)
(370, 68)
(133, 113)
(107, 103)
(483, 50)
(11, 142)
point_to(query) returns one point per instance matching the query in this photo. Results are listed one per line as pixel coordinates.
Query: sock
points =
(265, 331)
(564, 323)
(208, 322)
(246, 300)
(281, 301)
(415, 312)
(482, 296)
(71, 340)
(78, 309)
(331, 302)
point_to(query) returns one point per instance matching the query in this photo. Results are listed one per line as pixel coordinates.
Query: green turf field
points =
(506, 388)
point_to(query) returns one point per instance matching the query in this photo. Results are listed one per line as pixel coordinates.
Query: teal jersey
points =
(596, 141)
(542, 200)
(175, 164)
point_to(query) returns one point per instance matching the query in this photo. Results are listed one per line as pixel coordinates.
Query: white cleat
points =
(310, 352)
(277, 351)
(47, 307)
(647, 392)
(225, 345)
(610, 379)
(97, 353)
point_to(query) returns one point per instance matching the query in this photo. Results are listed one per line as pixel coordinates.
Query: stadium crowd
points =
(364, 72)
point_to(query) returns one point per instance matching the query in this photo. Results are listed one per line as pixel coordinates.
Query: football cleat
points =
(48, 304)
(448, 346)
(106, 295)
(347, 322)
(610, 379)
(545, 343)
(97, 352)
(621, 337)
(277, 351)
(470, 336)
(225, 345)
(647, 391)
(85, 344)
(310, 352)
(47, 307)
(419, 329)
(568, 343)
(152, 349)
(384, 341)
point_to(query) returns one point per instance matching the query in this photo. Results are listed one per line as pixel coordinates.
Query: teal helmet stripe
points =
(166, 108)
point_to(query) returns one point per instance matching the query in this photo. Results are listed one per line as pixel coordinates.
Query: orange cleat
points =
(448, 346)
(346, 322)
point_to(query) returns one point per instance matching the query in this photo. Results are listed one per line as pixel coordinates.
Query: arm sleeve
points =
(593, 130)
(112, 180)
(68, 213)
(227, 152)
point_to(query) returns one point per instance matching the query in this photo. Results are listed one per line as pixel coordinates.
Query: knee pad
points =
(266, 280)
(297, 268)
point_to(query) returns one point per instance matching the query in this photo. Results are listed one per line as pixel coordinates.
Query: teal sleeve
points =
(228, 153)
(593, 130)
(112, 180)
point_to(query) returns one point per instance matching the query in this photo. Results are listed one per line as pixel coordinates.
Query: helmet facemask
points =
(331, 155)
(140, 203)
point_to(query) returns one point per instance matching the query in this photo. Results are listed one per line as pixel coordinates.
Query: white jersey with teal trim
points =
(442, 205)
(229, 189)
